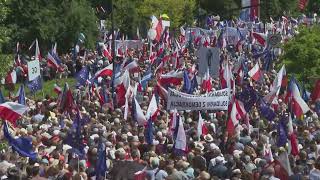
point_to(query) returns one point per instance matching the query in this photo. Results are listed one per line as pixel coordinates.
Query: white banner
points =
(33, 69)
(216, 100)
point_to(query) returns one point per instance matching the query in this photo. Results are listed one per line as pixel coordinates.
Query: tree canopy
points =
(58, 21)
(302, 55)
(61, 21)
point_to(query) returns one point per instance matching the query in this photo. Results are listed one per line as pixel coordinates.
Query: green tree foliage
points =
(6, 63)
(302, 55)
(58, 21)
(224, 8)
(313, 7)
(137, 13)
(277, 8)
(4, 30)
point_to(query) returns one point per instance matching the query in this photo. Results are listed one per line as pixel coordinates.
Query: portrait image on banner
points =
(209, 58)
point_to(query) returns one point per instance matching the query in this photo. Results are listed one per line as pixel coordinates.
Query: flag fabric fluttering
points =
(146, 78)
(35, 84)
(302, 4)
(37, 55)
(137, 112)
(186, 82)
(11, 78)
(206, 82)
(180, 140)
(149, 132)
(249, 97)
(298, 105)
(103, 96)
(82, 76)
(266, 111)
(226, 76)
(173, 77)
(152, 110)
(260, 37)
(2, 99)
(12, 111)
(201, 129)
(293, 142)
(255, 72)
(107, 71)
(282, 136)
(233, 120)
(54, 61)
(22, 95)
(22, 145)
(105, 52)
(57, 89)
(66, 99)
(74, 138)
(101, 166)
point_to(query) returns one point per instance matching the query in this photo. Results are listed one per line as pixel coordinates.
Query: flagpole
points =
(113, 53)
(78, 164)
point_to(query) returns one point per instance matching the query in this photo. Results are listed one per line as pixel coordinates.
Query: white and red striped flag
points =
(107, 71)
(302, 4)
(12, 111)
(201, 129)
(255, 72)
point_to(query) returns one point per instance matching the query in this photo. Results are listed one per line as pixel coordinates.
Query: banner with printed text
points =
(216, 100)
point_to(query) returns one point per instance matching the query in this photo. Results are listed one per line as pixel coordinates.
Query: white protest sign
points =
(165, 23)
(33, 69)
(216, 100)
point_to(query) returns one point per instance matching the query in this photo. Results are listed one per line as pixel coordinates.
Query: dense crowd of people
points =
(70, 139)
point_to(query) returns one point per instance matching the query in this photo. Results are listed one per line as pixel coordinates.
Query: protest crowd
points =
(212, 103)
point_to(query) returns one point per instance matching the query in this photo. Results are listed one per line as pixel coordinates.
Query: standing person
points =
(315, 172)
(154, 172)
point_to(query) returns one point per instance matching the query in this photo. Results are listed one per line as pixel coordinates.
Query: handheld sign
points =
(33, 69)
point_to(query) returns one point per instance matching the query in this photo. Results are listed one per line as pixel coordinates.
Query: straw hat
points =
(208, 138)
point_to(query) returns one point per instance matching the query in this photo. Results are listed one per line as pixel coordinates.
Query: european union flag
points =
(194, 85)
(82, 76)
(23, 145)
(101, 166)
(282, 136)
(22, 96)
(149, 132)
(249, 97)
(35, 84)
(74, 138)
(266, 111)
(2, 100)
(186, 83)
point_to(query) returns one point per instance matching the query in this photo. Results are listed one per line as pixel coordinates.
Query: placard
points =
(33, 69)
